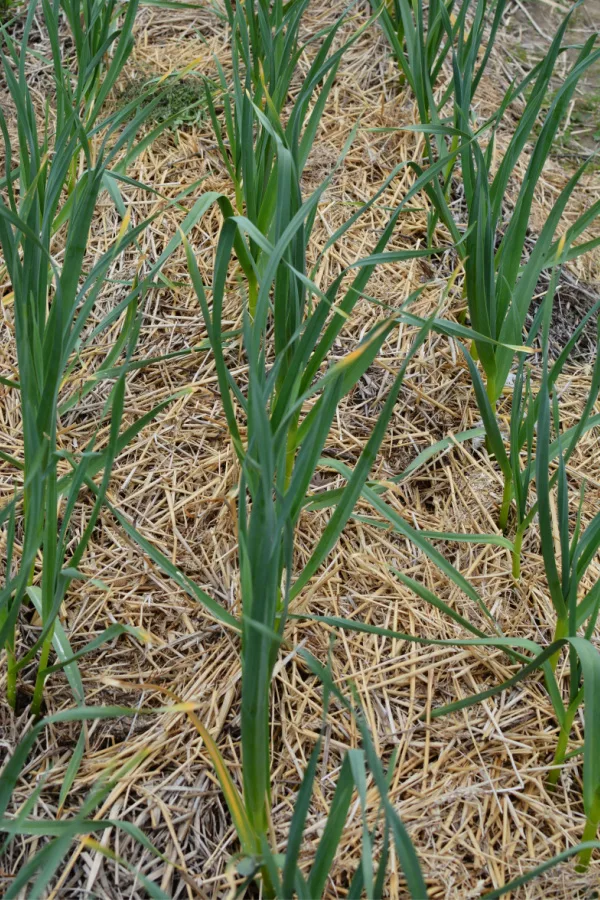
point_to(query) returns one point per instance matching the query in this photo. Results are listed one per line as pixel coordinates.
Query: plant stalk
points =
(11, 676)
(505, 508)
(561, 631)
(38, 692)
(516, 556)
(589, 834)
(563, 741)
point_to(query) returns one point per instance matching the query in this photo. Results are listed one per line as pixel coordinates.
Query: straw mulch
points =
(470, 787)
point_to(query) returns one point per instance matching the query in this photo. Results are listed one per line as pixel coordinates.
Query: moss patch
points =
(180, 101)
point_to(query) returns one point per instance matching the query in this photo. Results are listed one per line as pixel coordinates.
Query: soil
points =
(572, 301)
(532, 25)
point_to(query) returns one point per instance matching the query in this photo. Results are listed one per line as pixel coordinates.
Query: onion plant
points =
(499, 282)
(578, 548)
(423, 37)
(422, 43)
(499, 293)
(51, 309)
(103, 39)
(287, 404)
(462, 32)
(576, 610)
(515, 451)
(576, 615)
(265, 51)
(54, 297)
(500, 276)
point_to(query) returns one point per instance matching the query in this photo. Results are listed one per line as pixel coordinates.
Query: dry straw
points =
(458, 782)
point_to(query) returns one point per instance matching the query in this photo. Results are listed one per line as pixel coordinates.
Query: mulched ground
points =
(471, 788)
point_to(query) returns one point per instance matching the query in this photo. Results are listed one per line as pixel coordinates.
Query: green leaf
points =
(539, 870)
